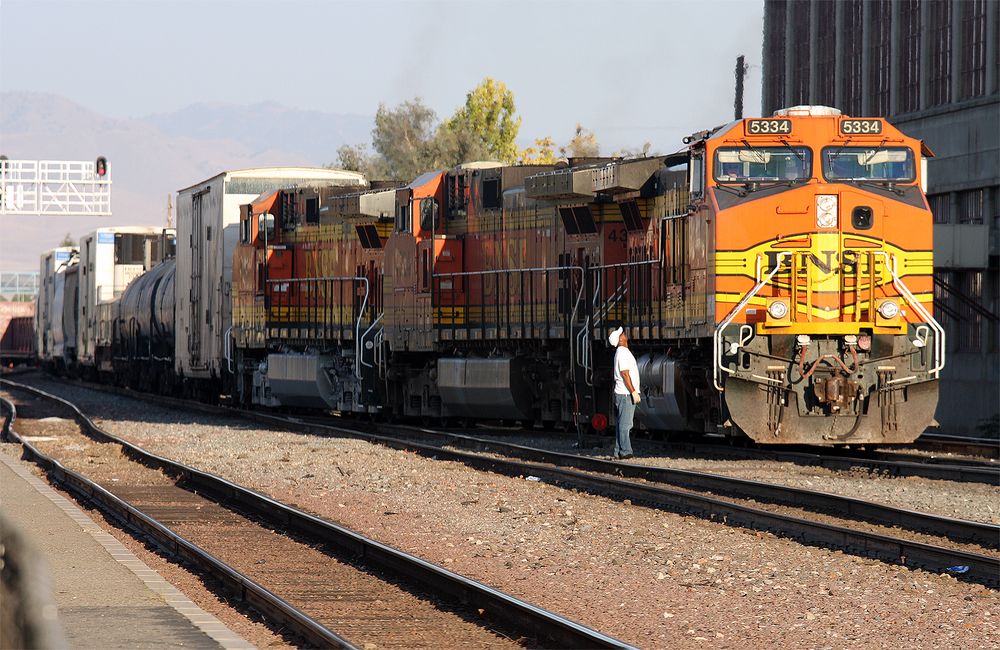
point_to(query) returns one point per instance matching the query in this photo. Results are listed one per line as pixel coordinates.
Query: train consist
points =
(774, 278)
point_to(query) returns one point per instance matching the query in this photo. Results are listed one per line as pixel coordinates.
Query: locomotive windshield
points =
(762, 164)
(893, 164)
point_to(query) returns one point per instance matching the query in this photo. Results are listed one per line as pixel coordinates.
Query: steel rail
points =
(272, 606)
(984, 568)
(959, 444)
(851, 507)
(981, 568)
(936, 469)
(848, 507)
(987, 535)
(496, 605)
(892, 463)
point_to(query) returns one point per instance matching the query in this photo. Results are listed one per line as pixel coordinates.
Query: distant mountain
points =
(269, 125)
(153, 157)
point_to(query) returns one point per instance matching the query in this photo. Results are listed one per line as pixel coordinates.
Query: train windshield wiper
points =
(878, 184)
(798, 154)
(738, 192)
(765, 184)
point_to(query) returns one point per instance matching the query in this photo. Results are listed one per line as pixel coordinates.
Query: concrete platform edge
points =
(201, 619)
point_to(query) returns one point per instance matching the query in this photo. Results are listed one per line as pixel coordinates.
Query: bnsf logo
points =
(826, 261)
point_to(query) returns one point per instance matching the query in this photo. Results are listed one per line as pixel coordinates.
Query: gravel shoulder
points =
(652, 578)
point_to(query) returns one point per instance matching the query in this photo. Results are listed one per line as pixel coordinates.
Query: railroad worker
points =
(626, 376)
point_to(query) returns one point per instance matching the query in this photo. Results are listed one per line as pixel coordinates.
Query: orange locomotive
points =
(823, 266)
(775, 279)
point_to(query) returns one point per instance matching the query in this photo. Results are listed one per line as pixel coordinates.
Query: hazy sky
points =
(630, 71)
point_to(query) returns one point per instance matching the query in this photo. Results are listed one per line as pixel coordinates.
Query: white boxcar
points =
(49, 328)
(109, 259)
(208, 216)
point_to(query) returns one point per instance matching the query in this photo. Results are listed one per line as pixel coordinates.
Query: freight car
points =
(208, 214)
(77, 288)
(774, 277)
(17, 332)
(55, 316)
(110, 258)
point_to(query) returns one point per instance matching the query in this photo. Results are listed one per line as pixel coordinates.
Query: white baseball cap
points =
(614, 337)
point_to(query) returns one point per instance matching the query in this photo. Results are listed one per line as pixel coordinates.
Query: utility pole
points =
(170, 211)
(741, 71)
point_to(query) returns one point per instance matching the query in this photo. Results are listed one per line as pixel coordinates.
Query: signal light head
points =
(101, 167)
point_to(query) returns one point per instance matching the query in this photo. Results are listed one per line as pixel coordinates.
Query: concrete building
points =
(932, 67)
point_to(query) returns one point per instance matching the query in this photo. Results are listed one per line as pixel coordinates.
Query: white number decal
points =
(769, 126)
(860, 127)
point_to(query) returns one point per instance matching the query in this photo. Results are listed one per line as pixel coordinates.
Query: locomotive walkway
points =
(105, 597)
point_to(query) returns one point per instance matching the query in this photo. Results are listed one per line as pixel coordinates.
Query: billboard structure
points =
(57, 187)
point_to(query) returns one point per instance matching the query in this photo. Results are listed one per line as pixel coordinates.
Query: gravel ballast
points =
(652, 578)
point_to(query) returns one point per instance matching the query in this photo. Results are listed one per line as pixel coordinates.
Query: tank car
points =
(142, 331)
(110, 258)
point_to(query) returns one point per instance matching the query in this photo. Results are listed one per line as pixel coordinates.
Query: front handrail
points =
(939, 335)
(717, 336)
(365, 335)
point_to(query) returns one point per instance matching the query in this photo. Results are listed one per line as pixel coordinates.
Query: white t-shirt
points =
(624, 360)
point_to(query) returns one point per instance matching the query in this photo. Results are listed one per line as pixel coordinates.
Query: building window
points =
(993, 328)
(909, 64)
(940, 29)
(776, 21)
(940, 207)
(800, 65)
(826, 53)
(973, 48)
(971, 206)
(880, 62)
(970, 338)
(850, 90)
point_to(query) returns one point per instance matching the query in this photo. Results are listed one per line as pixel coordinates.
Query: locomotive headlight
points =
(778, 309)
(888, 309)
(826, 210)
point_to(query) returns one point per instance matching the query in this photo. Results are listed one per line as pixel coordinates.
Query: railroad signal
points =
(101, 167)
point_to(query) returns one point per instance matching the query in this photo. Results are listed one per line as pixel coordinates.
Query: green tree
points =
(356, 158)
(67, 240)
(490, 116)
(451, 147)
(402, 138)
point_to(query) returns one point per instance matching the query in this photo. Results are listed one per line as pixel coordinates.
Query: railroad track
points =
(888, 533)
(305, 563)
(888, 463)
(967, 446)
